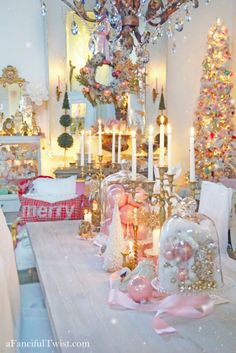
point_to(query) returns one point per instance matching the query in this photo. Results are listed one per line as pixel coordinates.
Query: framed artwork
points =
(82, 112)
(78, 113)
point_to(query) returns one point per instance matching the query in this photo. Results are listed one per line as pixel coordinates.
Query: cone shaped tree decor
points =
(65, 140)
(215, 144)
(115, 244)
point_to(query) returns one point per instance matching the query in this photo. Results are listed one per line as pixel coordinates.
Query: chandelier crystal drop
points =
(43, 8)
(74, 27)
(128, 20)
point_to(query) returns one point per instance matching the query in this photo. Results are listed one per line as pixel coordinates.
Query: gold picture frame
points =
(10, 75)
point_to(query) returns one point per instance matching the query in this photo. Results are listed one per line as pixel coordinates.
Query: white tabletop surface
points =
(76, 291)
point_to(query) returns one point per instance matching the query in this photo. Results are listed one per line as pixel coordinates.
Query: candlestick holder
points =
(125, 262)
(164, 197)
(135, 228)
(193, 188)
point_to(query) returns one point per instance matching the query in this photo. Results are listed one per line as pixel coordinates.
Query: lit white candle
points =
(87, 216)
(113, 157)
(169, 134)
(150, 154)
(89, 147)
(192, 156)
(119, 148)
(156, 241)
(134, 156)
(99, 138)
(82, 148)
(162, 147)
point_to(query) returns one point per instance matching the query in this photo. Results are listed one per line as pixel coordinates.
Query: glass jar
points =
(189, 252)
(119, 187)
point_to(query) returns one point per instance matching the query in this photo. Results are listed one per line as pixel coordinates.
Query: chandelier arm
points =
(164, 15)
(79, 9)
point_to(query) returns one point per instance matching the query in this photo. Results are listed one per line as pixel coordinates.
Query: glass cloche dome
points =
(189, 252)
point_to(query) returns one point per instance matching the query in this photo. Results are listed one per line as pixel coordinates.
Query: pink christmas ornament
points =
(127, 214)
(169, 254)
(140, 289)
(117, 194)
(140, 197)
(185, 251)
(182, 274)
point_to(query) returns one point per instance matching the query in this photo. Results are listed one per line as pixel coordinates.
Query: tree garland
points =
(125, 81)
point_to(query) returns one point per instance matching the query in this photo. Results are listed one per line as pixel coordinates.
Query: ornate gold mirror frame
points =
(10, 75)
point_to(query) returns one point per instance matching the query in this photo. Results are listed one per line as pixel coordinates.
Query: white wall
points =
(22, 39)
(184, 70)
(156, 68)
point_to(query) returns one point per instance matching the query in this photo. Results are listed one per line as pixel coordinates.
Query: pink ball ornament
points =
(140, 197)
(117, 194)
(169, 254)
(127, 214)
(185, 251)
(140, 289)
(182, 274)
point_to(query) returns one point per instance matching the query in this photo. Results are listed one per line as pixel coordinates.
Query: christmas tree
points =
(215, 145)
(115, 244)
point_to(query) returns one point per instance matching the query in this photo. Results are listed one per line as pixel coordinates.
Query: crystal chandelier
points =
(133, 23)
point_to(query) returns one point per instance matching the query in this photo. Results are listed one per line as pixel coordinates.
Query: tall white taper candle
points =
(169, 146)
(150, 154)
(89, 147)
(119, 148)
(113, 157)
(99, 137)
(82, 148)
(162, 147)
(134, 161)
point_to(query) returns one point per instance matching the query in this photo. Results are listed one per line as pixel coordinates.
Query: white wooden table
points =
(76, 292)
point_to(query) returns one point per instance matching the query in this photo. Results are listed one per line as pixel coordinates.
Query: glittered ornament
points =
(140, 289)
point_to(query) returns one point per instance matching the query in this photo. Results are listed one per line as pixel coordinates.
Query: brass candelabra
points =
(163, 198)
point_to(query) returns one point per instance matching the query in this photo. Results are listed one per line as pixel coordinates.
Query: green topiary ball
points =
(65, 120)
(65, 140)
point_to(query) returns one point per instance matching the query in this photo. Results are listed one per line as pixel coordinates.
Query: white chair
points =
(216, 203)
(6, 318)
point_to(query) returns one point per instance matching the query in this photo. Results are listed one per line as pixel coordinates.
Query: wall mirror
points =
(11, 86)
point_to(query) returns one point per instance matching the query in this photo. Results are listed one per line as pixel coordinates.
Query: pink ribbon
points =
(188, 306)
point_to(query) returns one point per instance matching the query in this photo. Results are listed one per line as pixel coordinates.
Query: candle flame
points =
(192, 132)
(133, 133)
(162, 119)
(150, 130)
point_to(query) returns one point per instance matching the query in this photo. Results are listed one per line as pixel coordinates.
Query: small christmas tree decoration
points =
(65, 140)
(115, 245)
(161, 118)
(66, 104)
(65, 120)
(215, 146)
